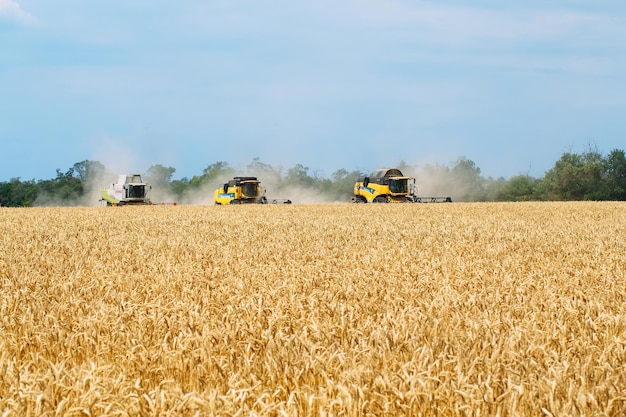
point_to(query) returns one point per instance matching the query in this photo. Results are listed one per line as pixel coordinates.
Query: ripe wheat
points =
(434, 309)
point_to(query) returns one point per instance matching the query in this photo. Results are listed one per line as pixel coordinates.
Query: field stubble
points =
(442, 309)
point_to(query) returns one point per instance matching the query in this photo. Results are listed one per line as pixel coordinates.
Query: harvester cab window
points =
(399, 186)
(250, 189)
(136, 191)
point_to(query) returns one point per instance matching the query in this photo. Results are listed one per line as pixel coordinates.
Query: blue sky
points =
(327, 84)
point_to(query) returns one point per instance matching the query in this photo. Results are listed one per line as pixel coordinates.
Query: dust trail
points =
(272, 180)
(203, 194)
(436, 180)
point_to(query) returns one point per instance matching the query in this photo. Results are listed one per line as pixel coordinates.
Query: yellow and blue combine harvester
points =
(389, 185)
(244, 190)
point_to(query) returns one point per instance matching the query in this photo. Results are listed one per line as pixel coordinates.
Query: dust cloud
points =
(271, 181)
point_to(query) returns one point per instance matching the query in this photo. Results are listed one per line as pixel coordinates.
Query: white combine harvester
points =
(128, 190)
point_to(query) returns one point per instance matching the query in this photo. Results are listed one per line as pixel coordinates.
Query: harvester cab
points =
(128, 190)
(241, 190)
(389, 185)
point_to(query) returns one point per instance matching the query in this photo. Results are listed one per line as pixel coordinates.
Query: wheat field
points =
(460, 309)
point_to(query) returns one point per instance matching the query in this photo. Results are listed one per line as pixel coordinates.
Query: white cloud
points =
(11, 10)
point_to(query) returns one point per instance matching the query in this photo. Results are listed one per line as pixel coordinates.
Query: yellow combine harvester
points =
(389, 185)
(244, 190)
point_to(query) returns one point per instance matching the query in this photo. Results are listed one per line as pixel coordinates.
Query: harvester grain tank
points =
(389, 185)
(243, 190)
(128, 190)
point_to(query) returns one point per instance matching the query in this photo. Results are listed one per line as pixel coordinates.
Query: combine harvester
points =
(389, 185)
(129, 190)
(244, 190)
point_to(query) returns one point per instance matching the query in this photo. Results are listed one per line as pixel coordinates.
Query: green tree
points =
(159, 176)
(217, 170)
(576, 177)
(615, 175)
(341, 184)
(592, 174)
(494, 188)
(467, 181)
(16, 193)
(518, 188)
(562, 182)
(179, 187)
(299, 176)
(64, 190)
(88, 171)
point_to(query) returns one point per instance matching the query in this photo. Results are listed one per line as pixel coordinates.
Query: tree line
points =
(589, 175)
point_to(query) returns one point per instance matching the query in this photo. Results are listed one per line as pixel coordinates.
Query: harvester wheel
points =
(380, 199)
(235, 202)
(360, 199)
